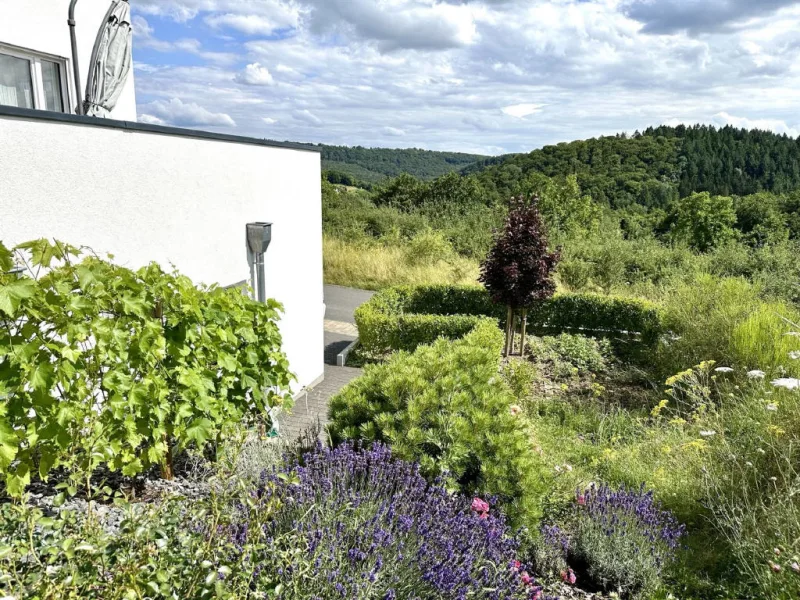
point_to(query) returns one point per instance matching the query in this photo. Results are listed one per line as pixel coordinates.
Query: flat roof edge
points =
(55, 117)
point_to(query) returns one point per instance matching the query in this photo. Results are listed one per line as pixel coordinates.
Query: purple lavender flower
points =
(360, 524)
(623, 537)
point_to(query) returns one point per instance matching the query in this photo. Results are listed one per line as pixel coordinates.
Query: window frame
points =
(35, 59)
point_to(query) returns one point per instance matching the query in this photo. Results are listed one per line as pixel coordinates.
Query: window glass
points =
(51, 78)
(16, 87)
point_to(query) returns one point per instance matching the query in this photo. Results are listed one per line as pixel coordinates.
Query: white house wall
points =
(170, 199)
(41, 26)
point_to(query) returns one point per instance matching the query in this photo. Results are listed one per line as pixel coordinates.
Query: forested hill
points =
(374, 165)
(658, 165)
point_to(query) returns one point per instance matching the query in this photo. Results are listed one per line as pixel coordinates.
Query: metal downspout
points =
(75, 67)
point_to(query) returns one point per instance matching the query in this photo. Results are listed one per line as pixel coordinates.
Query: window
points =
(31, 80)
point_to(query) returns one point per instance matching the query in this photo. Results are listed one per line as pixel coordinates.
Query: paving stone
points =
(311, 406)
(347, 329)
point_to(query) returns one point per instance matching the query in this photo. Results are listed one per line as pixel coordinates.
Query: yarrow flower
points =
(723, 370)
(756, 374)
(794, 355)
(772, 407)
(708, 433)
(516, 409)
(788, 383)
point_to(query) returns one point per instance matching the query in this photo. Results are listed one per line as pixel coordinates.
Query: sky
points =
(478, 76)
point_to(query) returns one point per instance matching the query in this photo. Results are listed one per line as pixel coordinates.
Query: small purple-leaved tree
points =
(518, 272)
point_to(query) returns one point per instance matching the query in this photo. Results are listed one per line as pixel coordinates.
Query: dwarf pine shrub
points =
(446, 407)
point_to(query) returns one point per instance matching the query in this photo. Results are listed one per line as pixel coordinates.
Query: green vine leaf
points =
(105, 365)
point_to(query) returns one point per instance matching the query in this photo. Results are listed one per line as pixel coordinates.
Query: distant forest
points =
(365, 167)
(657, 166)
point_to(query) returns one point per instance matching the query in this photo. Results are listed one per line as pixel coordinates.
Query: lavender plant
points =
(360, 524)
(549, 551)
(623, 539)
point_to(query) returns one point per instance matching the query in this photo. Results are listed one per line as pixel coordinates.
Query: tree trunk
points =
(524, 331)
(509, 332)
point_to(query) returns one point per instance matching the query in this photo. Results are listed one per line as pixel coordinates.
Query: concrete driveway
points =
(342, 302)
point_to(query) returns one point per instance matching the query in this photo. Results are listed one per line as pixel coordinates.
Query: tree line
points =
(655, 167)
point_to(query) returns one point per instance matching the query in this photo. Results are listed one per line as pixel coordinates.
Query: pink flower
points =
(526, 579)
(537, 594)
(480, 506)
(775, 568)
(516, 565)
(568, 576)
(581, 499)
(483, 516)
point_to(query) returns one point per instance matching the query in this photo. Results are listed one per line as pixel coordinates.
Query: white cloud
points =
(396, 24)
(470, 75)
(775, 125)
(671, 16)
(269, 120)
(151, 120)
(176, 112)
(251, 24)
(255, 74)
(520, 111)
(393, 131)
(307, 116)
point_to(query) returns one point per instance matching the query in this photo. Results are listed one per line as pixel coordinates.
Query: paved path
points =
(340, 331)
(341, 302)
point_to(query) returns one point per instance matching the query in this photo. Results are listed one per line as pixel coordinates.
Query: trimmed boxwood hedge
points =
(403, 317)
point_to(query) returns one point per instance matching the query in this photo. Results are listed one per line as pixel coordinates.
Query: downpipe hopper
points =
(259, 237)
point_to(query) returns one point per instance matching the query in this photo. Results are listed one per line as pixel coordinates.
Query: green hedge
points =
(403, 317)
(445, 407)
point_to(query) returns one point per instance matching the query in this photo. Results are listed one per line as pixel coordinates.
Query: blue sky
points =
(486, 76)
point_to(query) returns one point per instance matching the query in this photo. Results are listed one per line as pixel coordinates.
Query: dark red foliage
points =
(519, 269)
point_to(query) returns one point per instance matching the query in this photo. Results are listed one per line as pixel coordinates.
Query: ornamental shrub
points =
(101, 365)
(622, 540)
(518, 271)
(361, 524)
(446, 407)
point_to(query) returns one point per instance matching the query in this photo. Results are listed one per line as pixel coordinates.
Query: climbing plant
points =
(102, 365)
